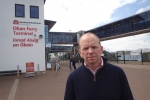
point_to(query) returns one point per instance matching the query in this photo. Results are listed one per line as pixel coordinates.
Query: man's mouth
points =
(91, 57)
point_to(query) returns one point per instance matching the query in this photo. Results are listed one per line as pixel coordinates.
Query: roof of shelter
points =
(49, 23)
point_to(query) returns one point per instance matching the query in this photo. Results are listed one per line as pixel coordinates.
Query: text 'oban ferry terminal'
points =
(24, 42)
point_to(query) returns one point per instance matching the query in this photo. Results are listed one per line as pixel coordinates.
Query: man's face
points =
(90, 49)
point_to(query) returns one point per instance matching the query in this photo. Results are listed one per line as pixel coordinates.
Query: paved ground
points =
(49, 86)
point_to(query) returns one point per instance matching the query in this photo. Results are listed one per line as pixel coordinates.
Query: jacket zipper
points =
(94, 78)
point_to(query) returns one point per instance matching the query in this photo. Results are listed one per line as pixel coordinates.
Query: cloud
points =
(76, 15)
(143, 9)
(143, 1)
(128, 43)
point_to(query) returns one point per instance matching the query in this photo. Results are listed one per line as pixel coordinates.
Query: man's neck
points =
(94, 66)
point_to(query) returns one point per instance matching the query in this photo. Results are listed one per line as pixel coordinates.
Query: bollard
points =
(17, 71)
(38, 69)
(60, 65)
(66, 62)
(56, 68)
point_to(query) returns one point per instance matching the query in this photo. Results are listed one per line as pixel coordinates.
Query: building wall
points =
(14, 53)
(130, 57)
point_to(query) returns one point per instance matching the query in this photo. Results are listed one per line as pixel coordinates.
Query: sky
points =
(77, 15)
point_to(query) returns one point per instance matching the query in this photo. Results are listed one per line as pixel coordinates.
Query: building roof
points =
(49, 23)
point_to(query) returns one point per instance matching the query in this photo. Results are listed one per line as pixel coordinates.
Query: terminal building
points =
(22, 34)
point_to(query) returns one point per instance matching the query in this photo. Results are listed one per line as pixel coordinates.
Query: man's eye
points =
(85, 48)
(94, 47)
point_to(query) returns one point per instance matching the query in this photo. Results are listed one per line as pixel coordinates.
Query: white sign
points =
(48, 44)
(134, 53)
(48, 65)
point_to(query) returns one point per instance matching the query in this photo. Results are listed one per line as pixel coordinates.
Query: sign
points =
(23, 28)
(48, 44)
(134, 53)
(24, 22)
(30, 69)
(48, 65)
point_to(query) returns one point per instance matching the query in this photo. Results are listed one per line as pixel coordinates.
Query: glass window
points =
(34, 12)
(19, 10)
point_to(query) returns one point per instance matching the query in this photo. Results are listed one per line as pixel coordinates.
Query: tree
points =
(55, 53)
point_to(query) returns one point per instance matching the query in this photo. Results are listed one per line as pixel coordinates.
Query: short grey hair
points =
(88, 33)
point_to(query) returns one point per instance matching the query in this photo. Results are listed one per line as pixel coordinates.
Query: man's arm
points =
(69, 92)
(126, 93)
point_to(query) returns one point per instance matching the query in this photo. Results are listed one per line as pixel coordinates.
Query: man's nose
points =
(90, 50)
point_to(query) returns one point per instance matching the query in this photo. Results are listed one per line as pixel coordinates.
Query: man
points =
(73, 61)
(82, 61)
(96, 79)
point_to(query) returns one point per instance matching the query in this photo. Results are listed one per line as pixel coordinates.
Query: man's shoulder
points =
(113, 67)
(77, 71)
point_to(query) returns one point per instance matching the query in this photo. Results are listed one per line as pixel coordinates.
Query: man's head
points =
(90, 48)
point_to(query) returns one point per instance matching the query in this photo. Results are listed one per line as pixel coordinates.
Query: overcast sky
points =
(76, 15)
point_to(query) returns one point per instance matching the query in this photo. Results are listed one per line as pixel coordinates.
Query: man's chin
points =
(91, 62)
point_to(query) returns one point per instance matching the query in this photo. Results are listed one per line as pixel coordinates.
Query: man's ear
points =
(102, 48)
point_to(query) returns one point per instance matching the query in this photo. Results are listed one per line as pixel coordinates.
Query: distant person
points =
(58, 64)
(96, 79)
(70, 64)
(82, 61)
(73, 61)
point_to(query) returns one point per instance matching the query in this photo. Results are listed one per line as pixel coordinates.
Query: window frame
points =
(31, 12)
(16, 10)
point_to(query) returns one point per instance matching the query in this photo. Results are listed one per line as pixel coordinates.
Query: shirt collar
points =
(95, 71)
